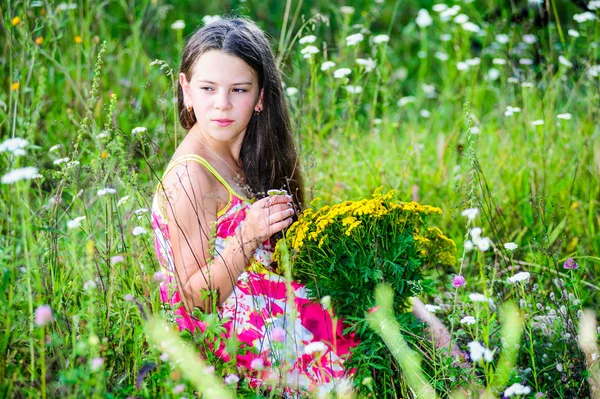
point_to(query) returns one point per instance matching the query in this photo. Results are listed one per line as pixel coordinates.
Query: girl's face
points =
(224, 93)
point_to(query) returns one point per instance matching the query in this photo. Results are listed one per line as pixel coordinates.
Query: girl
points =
(215, 226)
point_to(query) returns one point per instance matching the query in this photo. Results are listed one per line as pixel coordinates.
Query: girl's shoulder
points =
(191, 178)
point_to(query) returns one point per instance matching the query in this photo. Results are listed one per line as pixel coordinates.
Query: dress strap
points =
(197, 158)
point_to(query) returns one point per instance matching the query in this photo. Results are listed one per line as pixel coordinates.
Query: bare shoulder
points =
(191, 184)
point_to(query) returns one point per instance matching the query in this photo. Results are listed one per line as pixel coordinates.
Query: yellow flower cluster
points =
(435, 244)
(352, 215)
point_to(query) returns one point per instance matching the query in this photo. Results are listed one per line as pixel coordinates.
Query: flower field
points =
(481, 114)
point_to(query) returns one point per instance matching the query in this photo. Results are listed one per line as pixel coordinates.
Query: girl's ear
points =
(259, 104)
(185, 85)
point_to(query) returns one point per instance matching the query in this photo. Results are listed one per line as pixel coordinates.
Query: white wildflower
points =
(15, 175)
(473, 61)
(564, 61)
(327, 65)
(441, 56)
(537, 122)
(584, 17)
(511, 246)
(461, 19)
(423, 18)
(493, 74)
(354, 39)
(527, 85)
(594, 5)
(425, 113)
(529, 39)
(122, 200)
(54, 147)
(475, 233)
(291, 91)
(341, 73)
(446, 37)
(573, 33)
(140, 211)
(209, 19)
(439, 7)
(469, 246)
(471, 27)
(178, 25)
(502, 38)
(107, 190)
(354, 89)
(499, 61)
(61, 160)
(347, 10)
(368, 63)
(483, 244)
(519, 277)
(75, 223)
(432, 308)
(478, 352)
(470, 213)
(381, 39)
(517, 389)
(510, 110)
(468, 320)
(14, 145)
(594, 71)
(138, 231)
(66, 6)
(406, 100)
(102, 135)
(566, 116)
(139, 129)
(307, 39)
(462, 66)
(309, 51)
(526, 61)
(477, 297)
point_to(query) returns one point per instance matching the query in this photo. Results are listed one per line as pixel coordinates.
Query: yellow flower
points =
(103, 154)
(15, 86)
(78, 39)
(39, 40)
(15, 21)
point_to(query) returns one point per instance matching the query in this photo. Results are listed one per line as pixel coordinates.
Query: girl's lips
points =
(223, 122)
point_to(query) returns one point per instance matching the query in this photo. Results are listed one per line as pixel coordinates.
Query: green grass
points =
(537, 186)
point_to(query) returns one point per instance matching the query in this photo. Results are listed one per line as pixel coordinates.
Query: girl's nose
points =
(222, 101)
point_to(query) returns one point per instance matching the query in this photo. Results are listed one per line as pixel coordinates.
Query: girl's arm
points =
(192, 205)
(438, 333)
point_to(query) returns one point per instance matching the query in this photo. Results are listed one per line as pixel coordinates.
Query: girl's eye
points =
(240, 90)
(206, 88)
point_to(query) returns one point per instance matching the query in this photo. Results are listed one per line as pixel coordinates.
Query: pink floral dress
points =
(298, 342)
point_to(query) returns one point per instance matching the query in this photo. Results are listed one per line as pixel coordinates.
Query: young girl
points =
(215, 226)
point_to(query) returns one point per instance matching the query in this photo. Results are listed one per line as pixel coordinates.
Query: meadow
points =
(486, 110)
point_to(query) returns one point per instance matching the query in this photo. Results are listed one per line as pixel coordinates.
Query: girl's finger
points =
(277, 227)
(279, 216)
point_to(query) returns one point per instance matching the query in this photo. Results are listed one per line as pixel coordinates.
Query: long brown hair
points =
(268, 153)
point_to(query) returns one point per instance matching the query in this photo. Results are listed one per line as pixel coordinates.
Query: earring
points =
(256, 113)
(190, 109)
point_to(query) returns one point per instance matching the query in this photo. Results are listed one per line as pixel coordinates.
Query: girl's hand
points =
(266, 217)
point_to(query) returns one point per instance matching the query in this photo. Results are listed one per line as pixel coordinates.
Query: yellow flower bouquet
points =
(344, 251)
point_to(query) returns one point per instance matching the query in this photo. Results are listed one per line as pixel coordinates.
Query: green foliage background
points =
(537, 186)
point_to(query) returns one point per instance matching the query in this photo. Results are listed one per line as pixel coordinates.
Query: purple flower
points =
(278, 334)
(43, 315)
(458, 281)
(571, 264)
